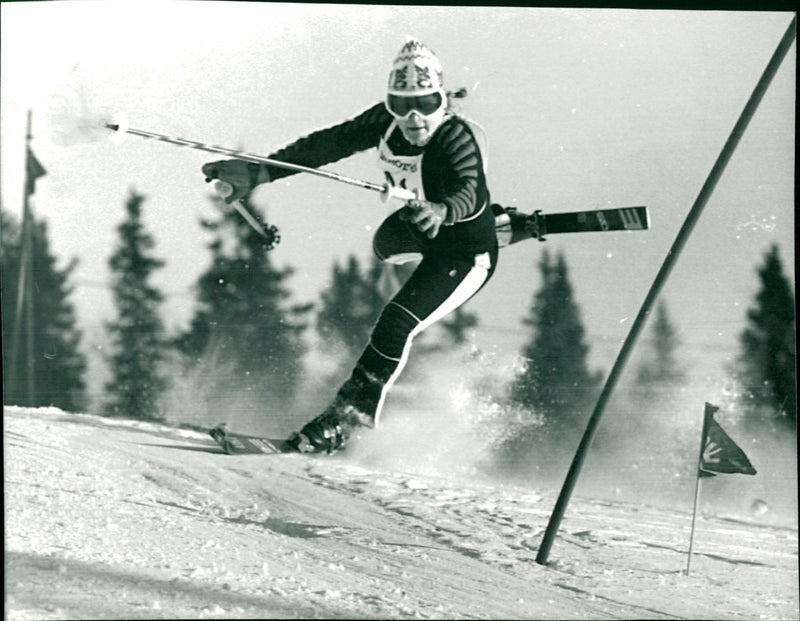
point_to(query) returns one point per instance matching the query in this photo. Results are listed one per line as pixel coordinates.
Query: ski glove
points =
(427, 216)
(243, 176)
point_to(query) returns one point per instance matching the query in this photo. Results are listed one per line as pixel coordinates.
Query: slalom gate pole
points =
(672, 256)
(694, 518)
(703, 435)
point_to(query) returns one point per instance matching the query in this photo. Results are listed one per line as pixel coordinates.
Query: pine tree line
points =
(245, 319)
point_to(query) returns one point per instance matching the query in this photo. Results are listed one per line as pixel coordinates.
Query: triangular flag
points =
(720, 453)
(33, 170)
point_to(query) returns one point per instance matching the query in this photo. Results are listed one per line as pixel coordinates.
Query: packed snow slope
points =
(117, 519)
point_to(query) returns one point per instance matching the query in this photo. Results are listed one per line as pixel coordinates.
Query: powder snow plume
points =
(443, 417)
(73, 114)
(212, 392)
(449, 413)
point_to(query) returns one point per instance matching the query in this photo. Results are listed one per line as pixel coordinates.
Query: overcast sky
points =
(583, 109)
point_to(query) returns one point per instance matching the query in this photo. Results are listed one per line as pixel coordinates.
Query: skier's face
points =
(418, 117)
(418, 129)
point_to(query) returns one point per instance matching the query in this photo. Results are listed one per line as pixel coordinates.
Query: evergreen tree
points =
(137, 338)
(768, 355)
(243, 320)
(660, 366)
(549, 399)
(458, 324)
(556, 382)
(58, 366)
(350, 305)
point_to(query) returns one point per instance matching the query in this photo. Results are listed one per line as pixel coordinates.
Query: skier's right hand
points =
(242, 176)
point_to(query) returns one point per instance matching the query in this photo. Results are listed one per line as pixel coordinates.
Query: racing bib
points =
(403, 171)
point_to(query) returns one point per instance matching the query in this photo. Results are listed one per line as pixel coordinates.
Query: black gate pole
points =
(658, 283)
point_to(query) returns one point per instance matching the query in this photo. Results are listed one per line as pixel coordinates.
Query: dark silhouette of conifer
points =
(550, 398)
(660, 367)
(556, 381)
(768, 355)
(458, 324)
(244, 320)
(57, 365)
(350, 305)
(137, 338)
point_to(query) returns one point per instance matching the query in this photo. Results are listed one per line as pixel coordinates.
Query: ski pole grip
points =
(222, 188)
(393, 191)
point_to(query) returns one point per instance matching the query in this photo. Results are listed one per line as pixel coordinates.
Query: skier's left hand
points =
(426, 215)
(242, 176)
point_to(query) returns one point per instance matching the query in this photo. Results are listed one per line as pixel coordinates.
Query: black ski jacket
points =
(452, 172)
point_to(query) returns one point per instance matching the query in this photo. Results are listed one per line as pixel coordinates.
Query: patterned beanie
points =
(415, 71)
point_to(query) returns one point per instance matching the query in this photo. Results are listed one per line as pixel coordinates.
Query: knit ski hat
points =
(415, 71)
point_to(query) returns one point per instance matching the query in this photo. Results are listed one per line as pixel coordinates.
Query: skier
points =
(425, 147)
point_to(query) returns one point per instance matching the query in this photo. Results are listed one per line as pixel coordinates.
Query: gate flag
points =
(720, 453)
(33, 170)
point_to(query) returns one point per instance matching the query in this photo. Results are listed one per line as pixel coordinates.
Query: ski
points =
(513, 227)
(242, 444)
(616, 219)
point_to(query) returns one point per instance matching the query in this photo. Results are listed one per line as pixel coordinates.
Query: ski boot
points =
(328, 432)
(513, 226)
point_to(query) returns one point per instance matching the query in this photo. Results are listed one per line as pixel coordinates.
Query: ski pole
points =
(386, 190)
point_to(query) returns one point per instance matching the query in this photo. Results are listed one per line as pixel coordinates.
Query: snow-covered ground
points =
(116, 519)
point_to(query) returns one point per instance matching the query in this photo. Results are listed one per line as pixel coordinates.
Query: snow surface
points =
(117, 519)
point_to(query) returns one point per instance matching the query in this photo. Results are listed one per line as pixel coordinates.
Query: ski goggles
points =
(401, 106)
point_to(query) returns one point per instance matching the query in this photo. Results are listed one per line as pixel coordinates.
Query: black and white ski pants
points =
(438, 286)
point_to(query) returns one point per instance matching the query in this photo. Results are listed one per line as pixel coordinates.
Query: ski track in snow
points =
(117, 519)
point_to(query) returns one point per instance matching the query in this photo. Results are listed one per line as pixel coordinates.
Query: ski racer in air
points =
(423, 146)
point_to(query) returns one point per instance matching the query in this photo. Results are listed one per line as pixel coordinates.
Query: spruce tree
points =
(244, 321)
(549, 399)
(768, 358)
(660, 365)
(556, 381)
(58, 366)
(137, 339)
(350, 306)
(458, 324)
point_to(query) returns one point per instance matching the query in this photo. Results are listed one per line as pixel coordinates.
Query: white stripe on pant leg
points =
(466, 289)
(401, 257)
